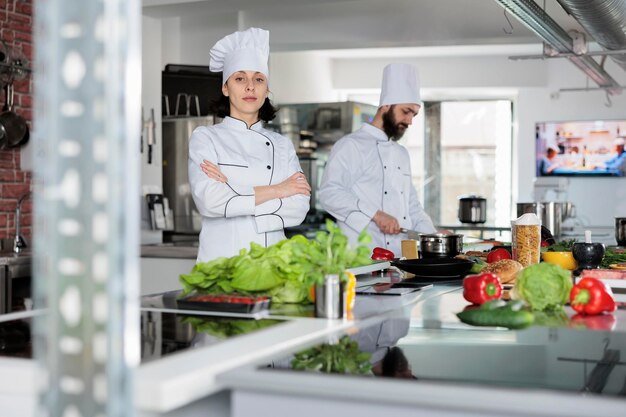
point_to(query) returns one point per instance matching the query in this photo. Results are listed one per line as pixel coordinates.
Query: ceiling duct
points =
(604, 20)
(537, 20)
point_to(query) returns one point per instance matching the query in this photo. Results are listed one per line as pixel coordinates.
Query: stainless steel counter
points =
(170, 250)
(10, 258)
(12, 266)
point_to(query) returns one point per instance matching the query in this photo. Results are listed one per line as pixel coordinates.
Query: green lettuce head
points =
(544, 286)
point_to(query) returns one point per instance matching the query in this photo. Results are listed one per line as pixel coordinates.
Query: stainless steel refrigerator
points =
(176, 134)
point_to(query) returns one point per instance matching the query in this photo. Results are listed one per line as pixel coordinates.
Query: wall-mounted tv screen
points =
(581, 148)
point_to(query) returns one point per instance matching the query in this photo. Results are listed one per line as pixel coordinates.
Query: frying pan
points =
(434, 267)
(13, 128)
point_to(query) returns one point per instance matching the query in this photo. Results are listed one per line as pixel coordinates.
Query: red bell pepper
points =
(480, 288)
(382, 254)
(601, 322)
(592, 296)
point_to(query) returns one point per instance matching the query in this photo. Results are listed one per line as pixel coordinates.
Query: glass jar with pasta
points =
(526, 236)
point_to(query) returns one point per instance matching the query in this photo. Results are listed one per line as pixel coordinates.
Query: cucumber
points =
(505, 316)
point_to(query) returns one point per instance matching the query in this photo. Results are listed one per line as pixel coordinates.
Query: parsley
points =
(343, 357)
(562, 246)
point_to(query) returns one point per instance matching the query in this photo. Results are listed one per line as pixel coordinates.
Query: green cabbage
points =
(544, 286)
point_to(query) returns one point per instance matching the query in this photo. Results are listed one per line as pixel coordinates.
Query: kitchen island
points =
(201, 364)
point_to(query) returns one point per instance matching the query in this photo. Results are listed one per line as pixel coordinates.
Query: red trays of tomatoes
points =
(227, 303)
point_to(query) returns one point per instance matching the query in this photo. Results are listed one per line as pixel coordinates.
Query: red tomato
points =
(498, 255)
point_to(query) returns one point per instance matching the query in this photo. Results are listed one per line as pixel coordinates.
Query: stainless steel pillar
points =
(87, 97)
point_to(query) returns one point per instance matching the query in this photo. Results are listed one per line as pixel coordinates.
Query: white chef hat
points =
(619, 142)
(401, 85)
(246, 50)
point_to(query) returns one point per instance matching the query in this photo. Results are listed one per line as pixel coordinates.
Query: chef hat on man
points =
(246, 50)
(619, 142)
(401, 85)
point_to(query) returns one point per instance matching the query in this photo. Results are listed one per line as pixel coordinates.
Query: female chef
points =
(246, 181)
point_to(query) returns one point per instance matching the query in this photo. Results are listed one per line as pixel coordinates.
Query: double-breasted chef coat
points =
(367, 172)
(248, 157)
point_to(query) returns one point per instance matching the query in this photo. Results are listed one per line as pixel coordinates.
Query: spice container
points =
(526, 233)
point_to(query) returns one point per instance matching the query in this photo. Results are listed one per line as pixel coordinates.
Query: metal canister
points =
(620, 230)
(329, 298)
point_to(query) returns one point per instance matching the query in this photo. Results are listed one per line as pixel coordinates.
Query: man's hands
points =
(386, 223)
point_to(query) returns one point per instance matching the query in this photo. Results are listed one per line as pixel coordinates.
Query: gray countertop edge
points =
(422, 394)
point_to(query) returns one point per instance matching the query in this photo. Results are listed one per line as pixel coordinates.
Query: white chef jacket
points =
(367, 172)
(248, 157)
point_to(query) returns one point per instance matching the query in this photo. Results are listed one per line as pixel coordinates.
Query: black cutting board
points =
(435, 267)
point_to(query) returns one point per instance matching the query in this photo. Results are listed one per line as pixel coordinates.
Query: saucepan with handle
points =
(13, 128)
(436, 245)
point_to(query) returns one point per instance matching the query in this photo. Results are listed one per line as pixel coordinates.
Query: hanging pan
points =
(13, 128)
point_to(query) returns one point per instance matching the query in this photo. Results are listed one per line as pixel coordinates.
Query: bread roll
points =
(505, 269)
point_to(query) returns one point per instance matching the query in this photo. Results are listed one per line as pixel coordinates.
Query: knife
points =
(143, 127)
(412, 234)
(151, 135)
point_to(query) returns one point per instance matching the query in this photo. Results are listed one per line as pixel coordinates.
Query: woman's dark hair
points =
(221, 108)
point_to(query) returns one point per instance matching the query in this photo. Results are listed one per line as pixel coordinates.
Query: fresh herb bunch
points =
(332, 253)
(343, 357)
(612, 257)
(562, 246)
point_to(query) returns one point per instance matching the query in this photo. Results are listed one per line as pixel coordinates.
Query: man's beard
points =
(392, 129)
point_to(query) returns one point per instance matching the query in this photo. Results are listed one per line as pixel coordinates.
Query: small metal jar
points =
(329, 298)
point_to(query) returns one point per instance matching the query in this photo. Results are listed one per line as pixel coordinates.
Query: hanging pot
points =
(13, 128)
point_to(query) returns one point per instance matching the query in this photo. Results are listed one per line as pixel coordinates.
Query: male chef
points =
(367, 180)
(617, 164)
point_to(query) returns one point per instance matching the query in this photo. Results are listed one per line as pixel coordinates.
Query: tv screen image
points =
(581, 148)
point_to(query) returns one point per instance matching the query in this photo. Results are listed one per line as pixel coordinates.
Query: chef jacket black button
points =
(269, 167)
(401, 192)
(267, 143)
(404, 217)
(398, 167)
(385, 192)
(387, 242)
(385, 167)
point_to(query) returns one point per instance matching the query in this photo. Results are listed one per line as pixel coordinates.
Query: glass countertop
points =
(163, 334)
(429, 343)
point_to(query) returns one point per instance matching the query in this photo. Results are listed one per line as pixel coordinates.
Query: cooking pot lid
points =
(440, 235)
(472, 197)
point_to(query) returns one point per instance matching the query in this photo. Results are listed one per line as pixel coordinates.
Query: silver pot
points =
(620, 230)
(472, 209)
(438, 245)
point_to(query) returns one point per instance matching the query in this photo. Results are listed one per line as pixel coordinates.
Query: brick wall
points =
(16, 33)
